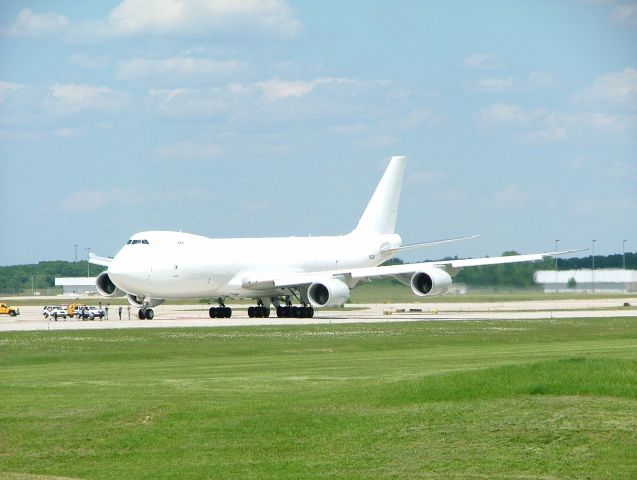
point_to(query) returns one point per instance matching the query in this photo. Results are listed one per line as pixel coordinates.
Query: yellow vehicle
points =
(7, 310)
(70, 311)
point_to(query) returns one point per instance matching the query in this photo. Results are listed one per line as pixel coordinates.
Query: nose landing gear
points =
(146, 313)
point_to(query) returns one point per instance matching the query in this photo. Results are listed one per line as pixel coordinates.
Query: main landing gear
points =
(260, 311)
(146, 314)
(290, 311)
(221, 311)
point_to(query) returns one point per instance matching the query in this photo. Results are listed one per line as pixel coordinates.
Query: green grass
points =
(488, 399)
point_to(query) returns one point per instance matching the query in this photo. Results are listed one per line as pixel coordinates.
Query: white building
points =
(599, 280)
(77, 285)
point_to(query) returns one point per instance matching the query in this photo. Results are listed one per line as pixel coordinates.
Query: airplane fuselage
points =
(172, 265)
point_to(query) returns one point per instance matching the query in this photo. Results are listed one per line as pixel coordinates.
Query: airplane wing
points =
(413, 246)
(301, 279)
(97, 260)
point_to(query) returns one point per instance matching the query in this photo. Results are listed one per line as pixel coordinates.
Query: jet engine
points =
(137, 301)
(328, 293)
(106, 287)
(430, 283)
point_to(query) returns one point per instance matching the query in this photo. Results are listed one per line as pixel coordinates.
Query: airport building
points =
(587, 280)
(77, 285)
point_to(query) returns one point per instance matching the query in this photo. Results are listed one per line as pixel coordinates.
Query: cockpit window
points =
(134, 242)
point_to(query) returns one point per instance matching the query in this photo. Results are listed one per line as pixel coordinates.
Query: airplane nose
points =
(115, 267)
(128, 270)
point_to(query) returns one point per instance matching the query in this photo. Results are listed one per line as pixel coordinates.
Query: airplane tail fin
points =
(380, 214)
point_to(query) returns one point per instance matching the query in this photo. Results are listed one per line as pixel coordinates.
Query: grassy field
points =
(488, 399)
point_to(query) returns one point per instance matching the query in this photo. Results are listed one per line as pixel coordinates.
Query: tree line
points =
(41, 276)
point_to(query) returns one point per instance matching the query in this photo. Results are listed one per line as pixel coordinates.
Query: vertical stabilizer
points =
(379, 216)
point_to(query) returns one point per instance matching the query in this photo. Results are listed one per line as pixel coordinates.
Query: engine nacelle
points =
(106, 287)
(137, 301)
(329, 293)
(430, 283)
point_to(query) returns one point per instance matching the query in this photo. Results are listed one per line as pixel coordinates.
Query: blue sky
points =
(265, 118)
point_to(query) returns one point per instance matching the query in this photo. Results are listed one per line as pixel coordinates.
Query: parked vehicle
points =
(89, 312)
(54, 311)
(96, 312)
(7, 310)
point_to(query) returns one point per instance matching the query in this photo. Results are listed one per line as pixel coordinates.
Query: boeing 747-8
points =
(313, 271)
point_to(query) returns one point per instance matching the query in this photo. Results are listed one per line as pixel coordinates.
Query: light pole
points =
(75, 246)
(88, 264)
(593, 273)
(556, 242)
(624, 254)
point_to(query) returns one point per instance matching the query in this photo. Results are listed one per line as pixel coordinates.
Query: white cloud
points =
(614, 88)
(481, 61)
(202, 18)
(198, 18)
(89, 62)
(375, 142)
(512, 196)
(277, 89)
(30, 24)
(6, 88)
(188, 150)
(178, 68)
(191, 102)
(540, 126)
(535, 81)
(426, 177)
(495, 85)
(501, 113)
(540, 79)
(71, 97)
(625, 14)
(87, 201)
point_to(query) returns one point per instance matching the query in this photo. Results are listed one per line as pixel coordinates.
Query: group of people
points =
(119, 311)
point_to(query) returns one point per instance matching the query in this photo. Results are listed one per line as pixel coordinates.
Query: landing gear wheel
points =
(141, 315)
(149, 314)
(258, 312)
(220, 312)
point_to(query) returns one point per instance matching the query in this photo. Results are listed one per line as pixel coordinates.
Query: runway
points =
(190, 316)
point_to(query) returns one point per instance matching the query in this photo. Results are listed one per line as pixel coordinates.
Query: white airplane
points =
(316, 271)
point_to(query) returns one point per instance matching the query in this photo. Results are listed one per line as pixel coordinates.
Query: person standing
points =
(106, 311)
(119, 310)
(128, 309)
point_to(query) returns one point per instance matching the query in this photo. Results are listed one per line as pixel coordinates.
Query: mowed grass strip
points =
(492, 399)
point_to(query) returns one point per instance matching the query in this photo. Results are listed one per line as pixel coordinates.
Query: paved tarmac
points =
(169, 316)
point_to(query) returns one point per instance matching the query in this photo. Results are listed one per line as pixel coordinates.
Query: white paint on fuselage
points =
(181, 265)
